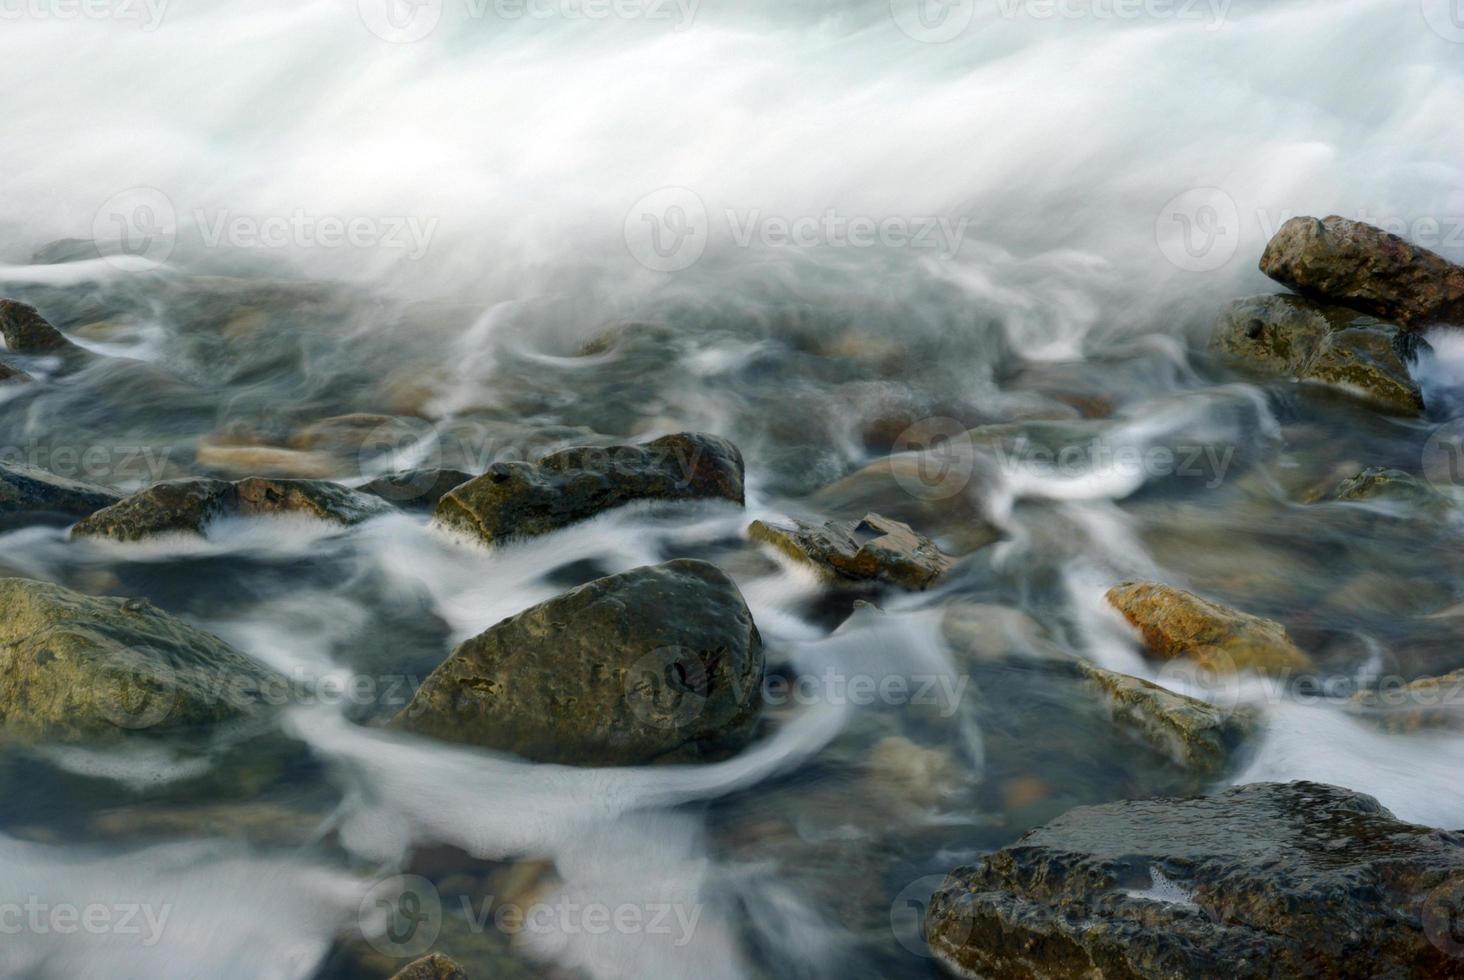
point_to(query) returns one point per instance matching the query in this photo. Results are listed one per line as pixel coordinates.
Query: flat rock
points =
(1175, 623)
(1298, 338)
(524, 499)
(31, 494)
(252, 460)
(1199, 736)
(874, 549)
(1264, 880)
(189, 506)
(660, 663)
(1429, 702)
(76, 668)
(1368, 269)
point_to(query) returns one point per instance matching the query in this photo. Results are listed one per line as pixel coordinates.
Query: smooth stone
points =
(1175, 623)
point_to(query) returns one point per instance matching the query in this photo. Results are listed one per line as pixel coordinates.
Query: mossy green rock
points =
(1298, 338)
(661, 663)
(79, 668)
(1259, 881)
(524, 499)
(875, 549)
(188, 506)
(31, 494)
(1199, 736)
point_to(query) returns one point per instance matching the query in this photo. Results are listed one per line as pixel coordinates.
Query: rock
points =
(266, 461)
(12, 375)
(1381, 483)
(345, 435)
(27, 332)
(75, 667)
(1196, 735)
(1366, 268)
(416, 488)
(524, 499)
(33, 495)
(1429, 702)
(189, 506)
(1175, 623)
(1294, 337)
(875, 549)
(905, 773)
(893, 485)
(1264, 880)
(660, 663)
(434, 967)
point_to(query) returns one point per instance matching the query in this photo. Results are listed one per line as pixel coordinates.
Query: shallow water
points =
(1065, 316)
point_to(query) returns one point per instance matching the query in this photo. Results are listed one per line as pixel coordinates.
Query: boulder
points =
(27, 332)
(524, 499)
(434, 967)
(1297, 338)
(1175, 623)
(1429, 702)
(31, 494)
(188, 506)
(874, 549)
(656, 664)
(1368, 269)
(422, 488)
(1201, 737)
(1264, 880)
(78, 668)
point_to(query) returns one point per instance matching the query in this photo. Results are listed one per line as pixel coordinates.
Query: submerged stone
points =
(516, 500)
(1428, 702)
(660, 663)
(1175, 623)
(874, 549)
(27, 332)
(1196, 735)
(31, 494)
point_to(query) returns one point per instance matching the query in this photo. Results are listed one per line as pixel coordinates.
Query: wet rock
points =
(1196, 735)
(1429, 702)
(32, 495)
(660, 663)
(524, 499)
(416, 488)
(1381, 483)
(918, 492)
(875, 549)
(1264, 880)
(189, 506)
(434, 967)
(1366, 268)
(1294, 337)
(345, 435)
(12, 375)
(1175, 623)
(75, 668)
(904, 773)
(27, 332)
(251, 460)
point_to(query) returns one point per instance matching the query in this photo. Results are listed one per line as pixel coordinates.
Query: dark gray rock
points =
(32, 495)
(1265, 880)
(27, 332)
(656, 664)
(1364, 267)
(874, 549)
(525, 499)
(416, 488)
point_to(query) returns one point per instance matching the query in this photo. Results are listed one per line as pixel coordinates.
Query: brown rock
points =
(875, 549)
(433, 967)
(267, 460)
(1366, 268)
(1176, 623)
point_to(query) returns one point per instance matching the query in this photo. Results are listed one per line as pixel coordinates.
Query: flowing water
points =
(572, 228)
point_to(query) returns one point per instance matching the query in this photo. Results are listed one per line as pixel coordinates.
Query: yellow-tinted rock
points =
(1176, 623)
